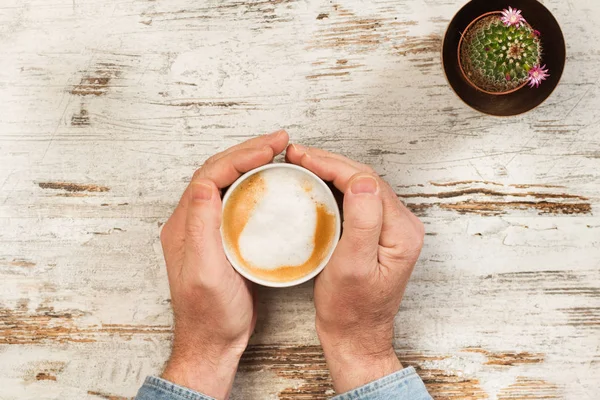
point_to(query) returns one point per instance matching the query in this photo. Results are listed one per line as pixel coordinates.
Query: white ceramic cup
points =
(321, 266)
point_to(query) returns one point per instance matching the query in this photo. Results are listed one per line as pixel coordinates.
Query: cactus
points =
(501, 52)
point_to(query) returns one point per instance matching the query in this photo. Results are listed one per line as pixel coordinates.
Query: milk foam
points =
(280, 231)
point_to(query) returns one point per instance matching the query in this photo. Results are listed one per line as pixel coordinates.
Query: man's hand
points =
(214, 309)
(359, 292)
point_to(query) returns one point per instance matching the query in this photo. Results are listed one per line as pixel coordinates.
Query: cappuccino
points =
(280, 225)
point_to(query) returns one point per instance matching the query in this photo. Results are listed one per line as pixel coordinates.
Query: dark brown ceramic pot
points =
(516, 101)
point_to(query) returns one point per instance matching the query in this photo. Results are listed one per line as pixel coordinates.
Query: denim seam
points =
(399, 377)
(170, 388)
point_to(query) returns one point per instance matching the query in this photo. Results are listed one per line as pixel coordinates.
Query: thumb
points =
(363, 215)
(203, 247)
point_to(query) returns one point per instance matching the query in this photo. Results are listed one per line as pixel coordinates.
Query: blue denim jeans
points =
(404, 384)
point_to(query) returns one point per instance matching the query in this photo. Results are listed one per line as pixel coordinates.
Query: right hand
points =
(359, 292)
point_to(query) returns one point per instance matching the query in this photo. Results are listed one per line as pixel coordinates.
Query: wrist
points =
(353, 364)
(351, 371)
(210, 371)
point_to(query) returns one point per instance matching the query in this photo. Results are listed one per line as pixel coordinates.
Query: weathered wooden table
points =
(107, 107)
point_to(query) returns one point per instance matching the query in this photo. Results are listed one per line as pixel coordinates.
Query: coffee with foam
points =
(280, 224)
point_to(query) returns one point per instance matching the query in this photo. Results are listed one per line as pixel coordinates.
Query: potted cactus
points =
(497, 61)
(500, 53)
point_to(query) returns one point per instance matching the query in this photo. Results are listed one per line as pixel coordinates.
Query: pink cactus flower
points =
(512, 17)
(537, 74)
(536, 33)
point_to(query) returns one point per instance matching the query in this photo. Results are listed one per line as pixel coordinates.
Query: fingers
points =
(329, 169)
(203, 246)
(400, 229)
(277, 141)
(296, 151)
(223, 169)
(328, 166)
(363, 219)
(223, 172)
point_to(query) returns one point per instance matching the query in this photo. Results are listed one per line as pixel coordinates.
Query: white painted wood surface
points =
(107, 107)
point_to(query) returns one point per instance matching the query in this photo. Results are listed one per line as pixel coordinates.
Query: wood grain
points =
(107, 108)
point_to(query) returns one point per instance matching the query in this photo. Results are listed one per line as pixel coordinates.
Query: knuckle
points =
(405, 251)
(197, 174)
(399, 254)
(364, 230)
(356, 272)
(361, 238)
(194, 229)
(209, 282)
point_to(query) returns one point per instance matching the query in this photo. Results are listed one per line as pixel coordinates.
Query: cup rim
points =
(336, 238)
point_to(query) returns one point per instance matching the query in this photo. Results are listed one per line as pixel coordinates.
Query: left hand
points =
(213, 305)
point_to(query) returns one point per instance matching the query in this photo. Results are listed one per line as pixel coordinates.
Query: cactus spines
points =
(497, 52)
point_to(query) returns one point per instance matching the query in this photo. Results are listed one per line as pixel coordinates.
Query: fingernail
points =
(364, 184)
(201, 191)
(298, 147)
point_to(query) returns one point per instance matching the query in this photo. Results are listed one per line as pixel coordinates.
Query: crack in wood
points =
(381, 152)
(20, 262)
(530, 389)
(498, 208)
(556, 283)
(495, 208)
(586, 317)
(328, 74)
(509, 358)
(527, 186)
(73, 187)
(489, 192)
(81, 119)
(420, 45)
(44, 371)
(344, 28)
(199, 104)
(457, 183)
(44, 376)
(108, 396)
(97, 83)
(45, 325)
